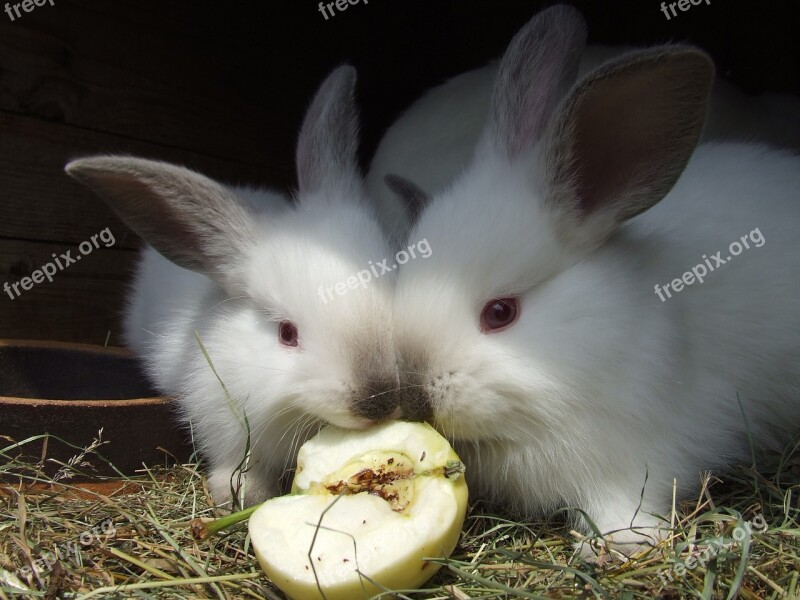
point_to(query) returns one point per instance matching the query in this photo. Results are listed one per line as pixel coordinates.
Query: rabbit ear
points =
(624, 135)
(539, 66)
(327, 150)
(193, 221)
(415, 198)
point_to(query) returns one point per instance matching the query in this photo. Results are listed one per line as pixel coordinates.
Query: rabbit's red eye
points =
(499, 314)
(287, 333)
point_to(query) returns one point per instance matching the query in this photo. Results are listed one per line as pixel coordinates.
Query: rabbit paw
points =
(622, 546)
(256, 487)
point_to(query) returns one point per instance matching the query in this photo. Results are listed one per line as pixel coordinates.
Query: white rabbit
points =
(255, 276)
(433, 140)
(533, 333)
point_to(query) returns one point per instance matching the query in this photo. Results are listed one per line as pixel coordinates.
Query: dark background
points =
(222, 87)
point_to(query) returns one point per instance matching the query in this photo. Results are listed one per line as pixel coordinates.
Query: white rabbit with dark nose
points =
(534, 332)
(237, 272)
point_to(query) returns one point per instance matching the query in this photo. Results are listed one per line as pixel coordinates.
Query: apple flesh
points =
(375, 502)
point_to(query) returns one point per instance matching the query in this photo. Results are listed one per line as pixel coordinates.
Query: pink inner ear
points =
(629, 129)
(616, 141)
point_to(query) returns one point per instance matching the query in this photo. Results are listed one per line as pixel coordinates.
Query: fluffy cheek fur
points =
(518, 384)
(283, 393)
(489, 396)
(287, 393)
(538, 409)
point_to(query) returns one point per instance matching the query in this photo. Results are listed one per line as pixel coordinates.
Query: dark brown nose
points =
(380, 400)
(416, 405)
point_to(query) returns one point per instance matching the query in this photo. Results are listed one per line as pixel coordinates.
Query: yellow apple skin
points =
(390, 545)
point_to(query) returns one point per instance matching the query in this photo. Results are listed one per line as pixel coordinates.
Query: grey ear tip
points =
(562, 8)
(110, 162)
(704, 62)
(346, 73)
(80, 168)
(694, 59)
(340, 82)
(561, 20)
(702, 56)
(77, 167)
(694, 56)
(565, 12)
(682, 50)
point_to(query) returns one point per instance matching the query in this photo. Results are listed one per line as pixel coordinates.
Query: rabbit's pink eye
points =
(287, 333)
(499, 314)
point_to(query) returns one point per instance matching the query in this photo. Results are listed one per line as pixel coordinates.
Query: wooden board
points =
(39, 201)
(82, 303)
(144, 82)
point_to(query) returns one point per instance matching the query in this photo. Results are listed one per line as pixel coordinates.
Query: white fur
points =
(284, 392)
(599, 381)
(258, 260)
(600, 390)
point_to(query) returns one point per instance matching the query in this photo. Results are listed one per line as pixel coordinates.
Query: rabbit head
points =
(296, 334)
(504, 328)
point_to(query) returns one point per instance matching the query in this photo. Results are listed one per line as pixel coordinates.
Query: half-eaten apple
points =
(366, 509)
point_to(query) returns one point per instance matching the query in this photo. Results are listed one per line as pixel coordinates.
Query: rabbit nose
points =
(416, 407)
(377, 401)
(384, 400)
